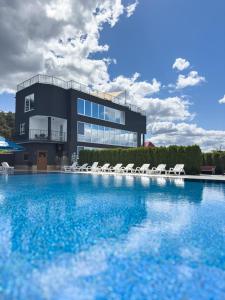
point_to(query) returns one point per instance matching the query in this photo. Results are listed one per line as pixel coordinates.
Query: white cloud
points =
(66, 36)
(62, 44)
(131, 8)
(181, 64)
(133, 86)
(192, 79)
(222, 100)
(171, 133)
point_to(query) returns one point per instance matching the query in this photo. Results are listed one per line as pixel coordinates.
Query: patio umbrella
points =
(7, 146)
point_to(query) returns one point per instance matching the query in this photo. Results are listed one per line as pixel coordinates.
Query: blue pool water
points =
(68, 236)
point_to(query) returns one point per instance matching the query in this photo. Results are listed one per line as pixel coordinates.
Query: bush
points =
(215, 158)
(190, 156)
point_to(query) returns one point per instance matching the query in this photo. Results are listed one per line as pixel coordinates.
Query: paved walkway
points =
(190, 177)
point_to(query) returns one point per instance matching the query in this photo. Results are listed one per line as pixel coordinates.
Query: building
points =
(55, 119)
(149, 144)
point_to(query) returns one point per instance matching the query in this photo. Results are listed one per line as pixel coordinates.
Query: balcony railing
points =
(46, 79)
(43, 135)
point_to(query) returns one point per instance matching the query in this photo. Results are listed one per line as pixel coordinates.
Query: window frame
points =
(27, 102)
(22, 128)
(106, 135)
(104, 112)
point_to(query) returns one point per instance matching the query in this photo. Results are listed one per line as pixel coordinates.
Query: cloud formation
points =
(222, 100)
(181, 64)
(60, 38)
(192, 79)
(55, 37)
(170, 133)
(131, 8)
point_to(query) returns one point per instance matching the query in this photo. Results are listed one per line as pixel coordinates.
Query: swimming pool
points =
(70, 236)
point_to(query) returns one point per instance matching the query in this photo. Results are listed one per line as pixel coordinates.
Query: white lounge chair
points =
(92, 168)
(80, 168)
(116, 168)
(158, 170)
(127, 169)
(7, 167)
(177, 170)
(104, 168)
(69, 168)
(143, 169)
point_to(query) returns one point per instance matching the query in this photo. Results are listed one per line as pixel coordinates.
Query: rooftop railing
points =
(46, 79)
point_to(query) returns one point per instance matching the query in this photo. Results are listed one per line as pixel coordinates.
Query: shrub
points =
(190, 156)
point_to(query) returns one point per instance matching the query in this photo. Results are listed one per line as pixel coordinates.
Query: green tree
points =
(7, 124)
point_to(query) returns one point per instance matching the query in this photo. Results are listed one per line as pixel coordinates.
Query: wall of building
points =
(58, 103)
(54, 158)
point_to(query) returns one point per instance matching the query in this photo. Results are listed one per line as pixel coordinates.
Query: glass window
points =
(80, 106)
(92, 133)
(101, 111)
(29, 103)
(98, 111)
(26, 156)
(95, 110)
(22, 128)
(87, 132)
(87, 108)
(80, 128)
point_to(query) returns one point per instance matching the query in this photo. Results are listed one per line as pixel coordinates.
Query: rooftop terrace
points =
(118, 97)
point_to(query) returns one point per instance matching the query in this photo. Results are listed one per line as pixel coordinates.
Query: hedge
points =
(190, 156)
(215, 158)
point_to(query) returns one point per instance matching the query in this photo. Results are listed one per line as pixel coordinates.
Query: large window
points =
(97, 134)
(29, 103)
(98, 111)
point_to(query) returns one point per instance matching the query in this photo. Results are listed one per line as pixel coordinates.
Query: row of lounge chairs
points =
(119, 168)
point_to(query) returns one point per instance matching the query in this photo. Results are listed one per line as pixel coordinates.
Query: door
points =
(42, 160)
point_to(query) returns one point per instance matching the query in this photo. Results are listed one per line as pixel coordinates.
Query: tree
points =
(7, 124)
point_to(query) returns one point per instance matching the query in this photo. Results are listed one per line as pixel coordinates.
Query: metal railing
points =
(46, 79)
(42, 135)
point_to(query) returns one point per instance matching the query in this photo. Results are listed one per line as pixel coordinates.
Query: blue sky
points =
(159, 32)
(122, 39)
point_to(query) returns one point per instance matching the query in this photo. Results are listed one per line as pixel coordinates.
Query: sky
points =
(169, 56)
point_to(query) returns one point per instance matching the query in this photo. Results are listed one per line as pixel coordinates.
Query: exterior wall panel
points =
(53, 101)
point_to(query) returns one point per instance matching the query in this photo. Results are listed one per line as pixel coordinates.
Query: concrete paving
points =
(187, 177)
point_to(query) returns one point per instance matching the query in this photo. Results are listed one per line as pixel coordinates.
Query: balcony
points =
(49, 129)
(43, 135)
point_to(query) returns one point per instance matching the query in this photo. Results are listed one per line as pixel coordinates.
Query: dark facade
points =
(54, 121)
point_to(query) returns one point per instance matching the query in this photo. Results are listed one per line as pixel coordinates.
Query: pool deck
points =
(188, 177)
(202, 177)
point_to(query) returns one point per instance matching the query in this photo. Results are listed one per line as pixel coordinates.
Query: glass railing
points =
(42, 135)
(46, 79)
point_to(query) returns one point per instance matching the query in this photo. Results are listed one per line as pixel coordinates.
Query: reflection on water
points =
(179, 182)
(145, 181)
(118, 180)
(93, 236)
(129, 180)
(161, 181)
